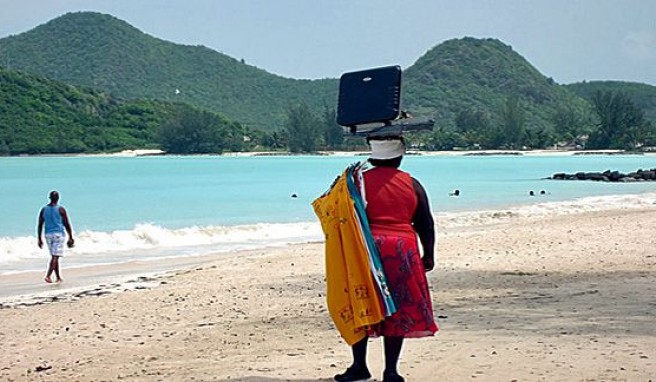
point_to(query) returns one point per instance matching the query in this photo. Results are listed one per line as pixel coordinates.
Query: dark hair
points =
(394, 162)
(54, 196)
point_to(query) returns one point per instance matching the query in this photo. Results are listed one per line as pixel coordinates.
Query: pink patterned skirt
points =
(406, 278)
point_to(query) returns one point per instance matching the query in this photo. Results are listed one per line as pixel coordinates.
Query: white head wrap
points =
(386, 149)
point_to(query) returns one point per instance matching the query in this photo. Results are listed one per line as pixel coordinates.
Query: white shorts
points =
(55, 243)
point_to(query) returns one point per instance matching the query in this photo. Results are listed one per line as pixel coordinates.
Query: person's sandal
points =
(353, 374)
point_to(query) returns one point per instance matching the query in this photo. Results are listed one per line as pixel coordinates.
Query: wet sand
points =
(566, 298)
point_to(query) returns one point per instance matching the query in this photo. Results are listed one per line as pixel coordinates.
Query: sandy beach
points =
(565, 298)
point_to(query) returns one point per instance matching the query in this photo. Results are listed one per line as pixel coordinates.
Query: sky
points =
(567, 40)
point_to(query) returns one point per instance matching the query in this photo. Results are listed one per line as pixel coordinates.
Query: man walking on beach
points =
(55, 219)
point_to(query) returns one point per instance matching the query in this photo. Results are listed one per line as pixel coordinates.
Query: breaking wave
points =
(149, 242)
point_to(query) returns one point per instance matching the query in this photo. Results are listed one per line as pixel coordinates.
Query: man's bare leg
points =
(51, 268)
(56, 268)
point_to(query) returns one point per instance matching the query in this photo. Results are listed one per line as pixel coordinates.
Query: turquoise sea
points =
(127, 208)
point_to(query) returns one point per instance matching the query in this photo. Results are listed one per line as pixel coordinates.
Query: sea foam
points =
(150, 242)
(555, 208)
(157, 242)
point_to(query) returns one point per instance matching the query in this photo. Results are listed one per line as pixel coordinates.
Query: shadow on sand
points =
(268, 379)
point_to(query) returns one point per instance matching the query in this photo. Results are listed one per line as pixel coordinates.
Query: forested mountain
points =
(482, 74)
(480, 91)
(643, 95)
(39, 116)
(103, 52)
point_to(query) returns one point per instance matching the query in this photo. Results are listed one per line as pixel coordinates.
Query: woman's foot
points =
(48, 279)
(353, 374)
(392, 377)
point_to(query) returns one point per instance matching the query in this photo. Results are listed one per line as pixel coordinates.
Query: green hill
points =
(103, 52)
(42, 116)
(481, 74)
(38, 115)
(480, 91)
(642, 95)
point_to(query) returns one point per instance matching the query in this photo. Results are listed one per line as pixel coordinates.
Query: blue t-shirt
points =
(53, 219)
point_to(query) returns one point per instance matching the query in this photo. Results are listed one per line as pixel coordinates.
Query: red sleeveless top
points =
(391, 201)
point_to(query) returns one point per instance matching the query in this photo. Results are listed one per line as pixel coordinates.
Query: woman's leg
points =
(358, 371)
(359, 350)
(392, 347)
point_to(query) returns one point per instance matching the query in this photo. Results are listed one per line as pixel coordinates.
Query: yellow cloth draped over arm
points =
(353, 302)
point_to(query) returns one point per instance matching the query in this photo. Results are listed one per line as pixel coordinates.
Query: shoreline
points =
(541, 152)
(27, 287)
(546, 298)
(410, 152)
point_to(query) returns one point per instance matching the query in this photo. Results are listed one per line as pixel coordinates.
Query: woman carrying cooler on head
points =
(398, 211)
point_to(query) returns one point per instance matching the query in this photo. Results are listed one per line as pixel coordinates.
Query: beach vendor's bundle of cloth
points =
(357, 292)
